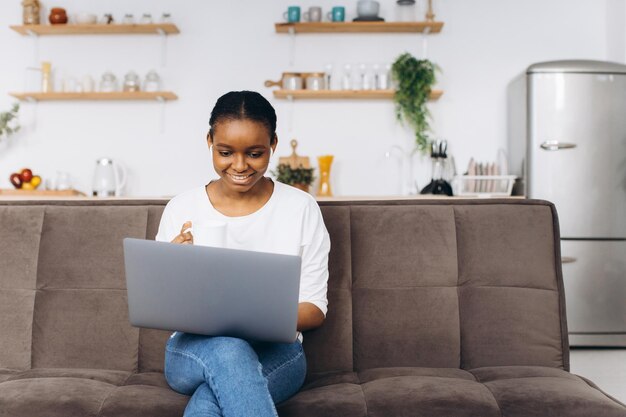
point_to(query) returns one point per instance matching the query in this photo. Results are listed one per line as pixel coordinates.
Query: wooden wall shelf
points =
(343, 94)
(141, 95)
(97, 29)
(360, 27)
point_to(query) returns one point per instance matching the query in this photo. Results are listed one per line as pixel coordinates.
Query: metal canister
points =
(292, 81)
(315, 81)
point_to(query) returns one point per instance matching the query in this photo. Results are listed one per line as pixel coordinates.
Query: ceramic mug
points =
(367, 8)
(209, 233)
(292, 15)
(337, 14)
(314, 14)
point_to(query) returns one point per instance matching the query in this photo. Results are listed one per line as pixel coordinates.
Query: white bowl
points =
(86, 18)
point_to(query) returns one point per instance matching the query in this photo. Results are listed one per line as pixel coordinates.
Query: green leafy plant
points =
(414, 79)
(288, 175)
(8, 121)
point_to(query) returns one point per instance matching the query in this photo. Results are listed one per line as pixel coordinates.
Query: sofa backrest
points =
(434, 283)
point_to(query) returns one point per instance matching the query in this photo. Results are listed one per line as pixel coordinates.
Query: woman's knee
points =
(210, 350)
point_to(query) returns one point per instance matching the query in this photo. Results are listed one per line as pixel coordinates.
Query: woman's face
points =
(241, 153)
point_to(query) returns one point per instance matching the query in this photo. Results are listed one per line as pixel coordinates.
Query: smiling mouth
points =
(240, 178)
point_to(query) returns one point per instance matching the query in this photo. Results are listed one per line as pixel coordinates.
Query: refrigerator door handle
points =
(555, 145)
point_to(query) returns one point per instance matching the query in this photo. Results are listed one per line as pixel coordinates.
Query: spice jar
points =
(57, 16)
(131, 82)
(30, 15)
(152, 82)
(108, 83)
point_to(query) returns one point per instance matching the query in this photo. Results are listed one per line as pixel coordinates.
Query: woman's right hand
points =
(185, 237)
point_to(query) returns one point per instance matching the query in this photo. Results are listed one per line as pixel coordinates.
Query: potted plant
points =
(8, 122)
(414, 79)
(299, 177)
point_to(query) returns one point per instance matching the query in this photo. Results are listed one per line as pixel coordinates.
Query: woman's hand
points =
(185, 237)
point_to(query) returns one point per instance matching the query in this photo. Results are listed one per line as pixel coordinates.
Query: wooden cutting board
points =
(294, 160)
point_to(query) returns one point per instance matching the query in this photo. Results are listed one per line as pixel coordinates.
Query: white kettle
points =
(109, 178)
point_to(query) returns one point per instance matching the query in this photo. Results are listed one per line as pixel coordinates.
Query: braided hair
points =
(244, 105)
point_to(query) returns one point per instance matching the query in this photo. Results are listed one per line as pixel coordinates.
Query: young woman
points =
(228, 376)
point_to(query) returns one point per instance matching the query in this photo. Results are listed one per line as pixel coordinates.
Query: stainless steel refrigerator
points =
(567, 143)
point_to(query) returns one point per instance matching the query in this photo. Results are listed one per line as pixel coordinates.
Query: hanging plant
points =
(8, 121)
(414, 79)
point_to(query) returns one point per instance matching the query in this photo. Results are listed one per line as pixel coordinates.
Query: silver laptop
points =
(212, 291)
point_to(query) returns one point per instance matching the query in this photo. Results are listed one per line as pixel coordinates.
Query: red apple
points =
(26, 175)
(16, 180)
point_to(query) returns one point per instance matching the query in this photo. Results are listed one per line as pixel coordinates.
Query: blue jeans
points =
(232, 377)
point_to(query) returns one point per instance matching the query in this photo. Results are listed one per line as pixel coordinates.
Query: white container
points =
(406, 11)
(315, 81)
(484, 185)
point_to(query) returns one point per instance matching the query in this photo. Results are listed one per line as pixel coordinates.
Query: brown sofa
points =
(437, 308)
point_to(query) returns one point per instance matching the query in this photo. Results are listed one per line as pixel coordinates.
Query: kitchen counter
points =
(166, 198)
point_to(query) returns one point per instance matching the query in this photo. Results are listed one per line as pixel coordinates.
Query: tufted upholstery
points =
(436, 308)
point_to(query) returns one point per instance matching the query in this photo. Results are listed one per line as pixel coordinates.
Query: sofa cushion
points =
(538, 392)
(512, 391)
(6, 374)
(343, 399)
(511, 303)
(101, 375)
(16, 321)
(323, 356)
(83, 329)
(404, 292)
(152, 349)
(81, 247)
(143, 400)
(87, 392)
(19, 246)
(428, 396)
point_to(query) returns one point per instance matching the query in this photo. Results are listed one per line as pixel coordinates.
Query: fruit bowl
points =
(25, 180)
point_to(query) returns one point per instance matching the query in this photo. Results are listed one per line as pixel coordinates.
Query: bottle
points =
(46, 77)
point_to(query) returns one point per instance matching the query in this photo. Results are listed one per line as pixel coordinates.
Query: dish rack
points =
(484, 185)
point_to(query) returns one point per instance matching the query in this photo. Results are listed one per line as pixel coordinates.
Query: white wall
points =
(232, 45)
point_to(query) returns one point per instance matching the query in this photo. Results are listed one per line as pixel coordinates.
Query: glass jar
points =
(131, 82)
(108, 83)
(406, 11)
(146, 19)
(31, 9)
(152, 82)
